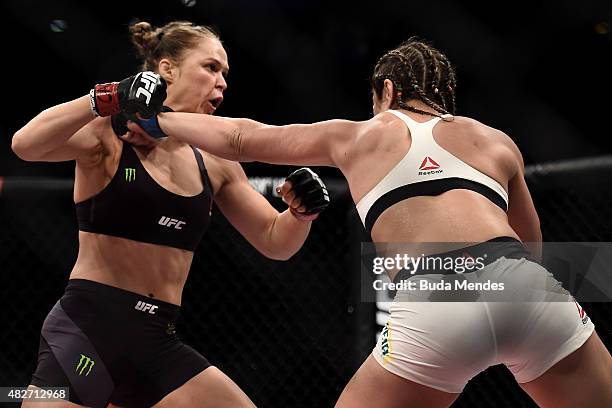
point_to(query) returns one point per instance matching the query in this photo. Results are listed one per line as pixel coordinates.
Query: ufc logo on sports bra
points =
(171, 223)
(149, 79)
(145, 307)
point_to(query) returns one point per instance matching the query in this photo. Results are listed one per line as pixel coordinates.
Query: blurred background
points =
(540, 73)
(291, 334)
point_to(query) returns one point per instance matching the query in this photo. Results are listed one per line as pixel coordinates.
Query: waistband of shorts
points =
(121, 298)
(487, 252)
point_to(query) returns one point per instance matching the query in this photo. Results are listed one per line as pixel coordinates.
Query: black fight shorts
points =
(110, 345)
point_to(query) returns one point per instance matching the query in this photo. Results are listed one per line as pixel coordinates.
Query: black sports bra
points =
(135, 207)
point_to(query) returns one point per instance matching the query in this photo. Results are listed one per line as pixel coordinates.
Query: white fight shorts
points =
(443, 345)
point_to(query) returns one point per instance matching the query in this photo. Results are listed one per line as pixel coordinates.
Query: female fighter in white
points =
(419, 174)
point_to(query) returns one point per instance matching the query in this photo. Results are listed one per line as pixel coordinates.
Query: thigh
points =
(374, 387)
(68, 358)
(55, 404)
(441, 345)
(534, 336)
(211, 388)
(583, 378)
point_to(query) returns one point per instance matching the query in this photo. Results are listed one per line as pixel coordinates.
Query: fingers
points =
(137, 139)
(304, 217)
(286, 193)
(284, 188)
(138, 130)
(291, 200)
(135, 127)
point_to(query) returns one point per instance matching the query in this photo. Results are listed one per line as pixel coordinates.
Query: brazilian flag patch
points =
(385, 343)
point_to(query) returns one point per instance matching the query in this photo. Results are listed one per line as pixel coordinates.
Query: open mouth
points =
(216, 102)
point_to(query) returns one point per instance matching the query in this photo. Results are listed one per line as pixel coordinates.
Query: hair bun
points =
(170, 41)
(144, 35)
(141, 27)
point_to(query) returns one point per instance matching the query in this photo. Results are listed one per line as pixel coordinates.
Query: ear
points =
(167, 70)
(388, 99)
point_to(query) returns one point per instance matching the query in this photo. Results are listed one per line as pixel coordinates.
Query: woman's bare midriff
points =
(433, 225)
(454, 216)
(151, 270)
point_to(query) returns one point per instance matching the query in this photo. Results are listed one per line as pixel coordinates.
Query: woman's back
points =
(457, 215)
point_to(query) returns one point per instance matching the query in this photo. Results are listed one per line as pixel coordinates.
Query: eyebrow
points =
(225, 68)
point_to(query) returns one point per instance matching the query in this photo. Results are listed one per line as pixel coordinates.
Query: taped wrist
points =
(104, 99)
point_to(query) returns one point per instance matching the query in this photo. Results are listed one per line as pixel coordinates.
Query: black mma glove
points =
(143, 93)
(310, 190)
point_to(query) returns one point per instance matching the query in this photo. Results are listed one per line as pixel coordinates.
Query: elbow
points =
(279, 251)
(236, 144)
(277, 244)
(536, 230)
(538, 238)
(531, 233)
(538, 233)
(21, 149)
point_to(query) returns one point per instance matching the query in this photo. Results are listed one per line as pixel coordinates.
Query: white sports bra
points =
(426, 170)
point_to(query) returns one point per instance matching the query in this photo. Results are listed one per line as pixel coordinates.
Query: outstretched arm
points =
(322, 143)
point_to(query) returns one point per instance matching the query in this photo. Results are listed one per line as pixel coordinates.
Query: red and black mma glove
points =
(151, 125)
(310, 190)
(143, 94)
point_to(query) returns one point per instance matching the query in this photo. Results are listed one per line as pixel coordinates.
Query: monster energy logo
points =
(85, 362)
(130, 174)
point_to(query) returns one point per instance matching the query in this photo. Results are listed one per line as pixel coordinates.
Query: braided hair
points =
(417, 71)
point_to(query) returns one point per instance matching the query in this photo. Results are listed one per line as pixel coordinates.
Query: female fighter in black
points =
(141, 213)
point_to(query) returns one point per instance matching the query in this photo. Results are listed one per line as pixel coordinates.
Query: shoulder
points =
(380, 123)
(481, 129)
(370, 133)
(495, 138)
(217, 165)
(383, 120)
(221, 171)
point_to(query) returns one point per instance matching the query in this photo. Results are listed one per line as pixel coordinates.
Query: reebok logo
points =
(171, 222)
(145, 307)
(85, 363)
(149, 79)
(429, 166)
(581, 313)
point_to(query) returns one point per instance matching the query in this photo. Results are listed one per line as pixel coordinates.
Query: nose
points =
(221, 82)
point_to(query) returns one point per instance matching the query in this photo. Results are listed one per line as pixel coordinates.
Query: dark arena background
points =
(291, 334)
